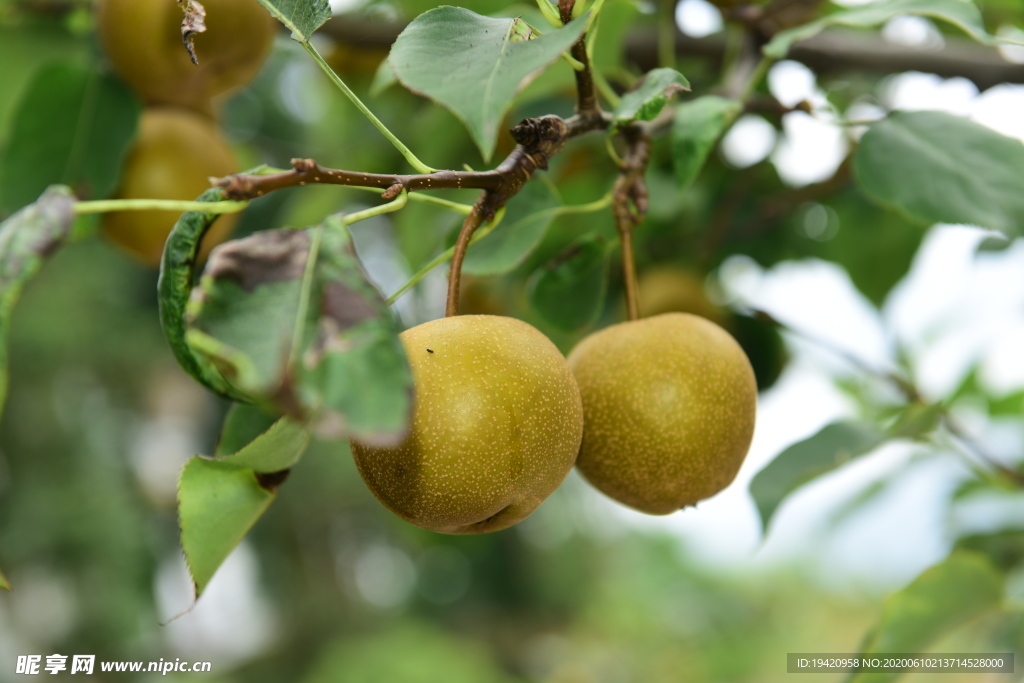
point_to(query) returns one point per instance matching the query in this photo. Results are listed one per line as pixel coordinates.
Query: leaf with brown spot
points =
(291, 322)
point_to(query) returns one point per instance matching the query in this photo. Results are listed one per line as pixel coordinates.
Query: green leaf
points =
(27, 239)
(383, 79)
(917, 421)
(72, 127)
(302, 17)
(217, 505)
(4, 583)
(291, 322)
(833, 446)
(940, 168)
(698, 125)
(958, 590)
(961, 13)
(220, 498)
(569, 291)
(474, 65)
(527, 218)
(253, 439)
(650, 96)
(177, 270)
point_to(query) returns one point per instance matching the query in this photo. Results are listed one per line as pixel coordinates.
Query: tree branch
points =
(831, 52)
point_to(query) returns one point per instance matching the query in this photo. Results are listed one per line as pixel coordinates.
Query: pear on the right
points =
(668, 410)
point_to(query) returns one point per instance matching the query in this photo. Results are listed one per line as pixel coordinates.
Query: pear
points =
(669, 405)
(496, 427)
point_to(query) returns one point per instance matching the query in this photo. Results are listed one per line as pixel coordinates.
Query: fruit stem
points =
(629, 274)
(108, 205)
(336, 79)
(445, 255)
(590, 207)
(469, 226)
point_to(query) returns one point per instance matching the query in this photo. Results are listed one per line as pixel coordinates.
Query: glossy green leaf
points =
(940, 168)
(833, 446)
(958, 590)
(291, 322)
(217, 505)
(27, 239)
(474, 65)
(569, 291)
(302, 17)
(961, 13)
(527, 218)
(72, 127)
(254, 439)
(647, 100)
(177, 271)
(697, 127)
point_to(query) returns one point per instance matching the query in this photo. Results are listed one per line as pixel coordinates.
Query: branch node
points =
(393, 191)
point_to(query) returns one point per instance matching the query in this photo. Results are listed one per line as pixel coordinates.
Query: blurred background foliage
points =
(329, 586)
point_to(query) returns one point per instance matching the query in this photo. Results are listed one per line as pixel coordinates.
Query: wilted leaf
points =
(647, 100)
(177, 271)
(73, 126)
(833, 446)
(698, 125)
(290, 321)
(940, 168)
(961, 13)
(569, 291)
(27, 239)
(302, 17)
(193, 23)
(960, 589)
(527, 218)
(474, 65)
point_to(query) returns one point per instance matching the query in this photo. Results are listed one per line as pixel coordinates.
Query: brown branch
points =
(833, 52)
(629, 206)
(539, 139)
(587, 106)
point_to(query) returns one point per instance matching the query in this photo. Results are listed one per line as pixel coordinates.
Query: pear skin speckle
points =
(496, 427)
(669, 404)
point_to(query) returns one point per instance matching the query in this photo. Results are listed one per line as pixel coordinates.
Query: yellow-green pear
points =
(496, 426)
(668, 405)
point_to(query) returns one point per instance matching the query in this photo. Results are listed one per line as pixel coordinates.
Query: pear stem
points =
(473, 221)
(629, 274)
(629, 206)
